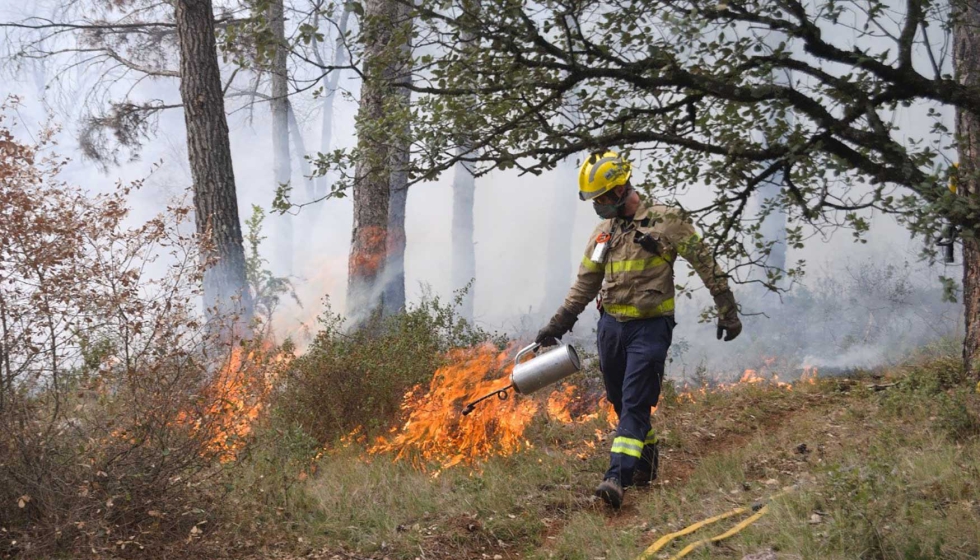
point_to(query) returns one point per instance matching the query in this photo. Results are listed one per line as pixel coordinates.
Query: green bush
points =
(934, 376)
(347, 380)
(956, 418)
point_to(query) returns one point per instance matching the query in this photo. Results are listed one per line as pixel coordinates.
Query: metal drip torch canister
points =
(540, 371)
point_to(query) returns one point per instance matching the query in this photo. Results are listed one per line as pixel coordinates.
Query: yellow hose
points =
(662, 541)
(745, 523)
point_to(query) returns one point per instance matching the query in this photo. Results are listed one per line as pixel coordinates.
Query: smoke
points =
(819, 322)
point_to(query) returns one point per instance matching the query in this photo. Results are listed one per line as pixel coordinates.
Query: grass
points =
(878, 474)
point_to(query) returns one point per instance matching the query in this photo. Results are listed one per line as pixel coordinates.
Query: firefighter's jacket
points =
(633, 282)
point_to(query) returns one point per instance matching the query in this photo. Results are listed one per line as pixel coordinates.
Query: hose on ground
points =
(666, 539)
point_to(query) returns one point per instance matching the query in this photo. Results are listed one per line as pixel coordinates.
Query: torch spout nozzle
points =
(499, 393)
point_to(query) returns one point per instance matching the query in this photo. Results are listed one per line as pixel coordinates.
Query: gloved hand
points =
(728, 323)
(560, 324)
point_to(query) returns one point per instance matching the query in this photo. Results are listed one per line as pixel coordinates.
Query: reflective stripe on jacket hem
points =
(633, 312)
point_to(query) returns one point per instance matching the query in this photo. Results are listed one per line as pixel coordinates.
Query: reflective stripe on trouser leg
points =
(651, 438)
(632, 356)
(648, 461)
(628, 446)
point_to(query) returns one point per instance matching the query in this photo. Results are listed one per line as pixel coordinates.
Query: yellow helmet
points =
(601, 173)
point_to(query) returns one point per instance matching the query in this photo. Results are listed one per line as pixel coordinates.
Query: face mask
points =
(609, 211)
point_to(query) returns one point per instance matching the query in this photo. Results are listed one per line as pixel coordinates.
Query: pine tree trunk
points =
(209, 153)
(463, 247)
(330, 82)
(399, 158)
(281, 164)
(464, 194)
(966, 60)
(394, 295)
(299, 149)
(559, 267)
(383, 34)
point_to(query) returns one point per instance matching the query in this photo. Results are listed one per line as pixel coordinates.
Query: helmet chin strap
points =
(614, 210)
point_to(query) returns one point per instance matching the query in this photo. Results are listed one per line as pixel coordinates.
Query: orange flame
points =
(809, 375)
(437, 431)
(234, 400)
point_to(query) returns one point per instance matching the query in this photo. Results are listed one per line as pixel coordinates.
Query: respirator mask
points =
(612, 210)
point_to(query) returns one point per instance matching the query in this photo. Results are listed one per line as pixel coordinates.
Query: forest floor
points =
(882, 465)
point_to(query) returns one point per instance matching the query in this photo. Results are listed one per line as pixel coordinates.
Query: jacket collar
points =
(643, 216)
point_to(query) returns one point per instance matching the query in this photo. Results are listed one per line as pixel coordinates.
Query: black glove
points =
(728, 323)
(560, 324)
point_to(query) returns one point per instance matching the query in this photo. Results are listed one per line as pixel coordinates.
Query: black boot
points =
(646, 469)
(611, 492)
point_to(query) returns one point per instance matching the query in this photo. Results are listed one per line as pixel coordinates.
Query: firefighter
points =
(629, 264)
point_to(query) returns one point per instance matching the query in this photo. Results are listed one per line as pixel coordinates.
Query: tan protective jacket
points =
(633, 282)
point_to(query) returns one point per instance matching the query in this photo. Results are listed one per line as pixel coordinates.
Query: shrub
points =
(347, 380)
(109, 425)
(956, 418)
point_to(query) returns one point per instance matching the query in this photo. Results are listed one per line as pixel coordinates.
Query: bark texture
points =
(399, 157)
(966, 60)
(383, 34)
(281, 165)
(209, 153)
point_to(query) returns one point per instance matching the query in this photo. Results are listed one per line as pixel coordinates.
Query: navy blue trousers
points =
(632, 357)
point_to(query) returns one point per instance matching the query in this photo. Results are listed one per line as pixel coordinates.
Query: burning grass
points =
(436, 431)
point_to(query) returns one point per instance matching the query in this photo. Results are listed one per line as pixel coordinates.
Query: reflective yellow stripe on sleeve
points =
(589, 265)
(634, 312)
(635, 265)
(685, 245)
(628, 446)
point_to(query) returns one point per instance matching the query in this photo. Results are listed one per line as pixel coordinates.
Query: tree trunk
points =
(299, 148)
(558, 267)
(463, 247)
(209, 154)
(966, 60)
(394, 295)
(399, 158)
(330, 83)
(281, 164)
(464, 193)
(383, 35)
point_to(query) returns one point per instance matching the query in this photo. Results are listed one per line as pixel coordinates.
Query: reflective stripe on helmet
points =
(595, 168)
(628, 446)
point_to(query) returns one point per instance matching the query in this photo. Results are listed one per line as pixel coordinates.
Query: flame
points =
(809, 375)
(559, 404)
(234, 400)
(750, 376)
(436, 431)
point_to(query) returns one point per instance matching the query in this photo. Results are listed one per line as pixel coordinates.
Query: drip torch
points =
(540, 371)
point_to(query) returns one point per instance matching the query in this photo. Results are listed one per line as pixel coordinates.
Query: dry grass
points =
(888, 474)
